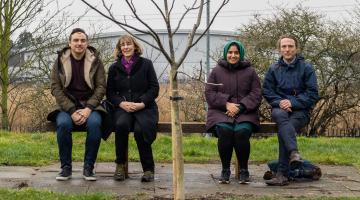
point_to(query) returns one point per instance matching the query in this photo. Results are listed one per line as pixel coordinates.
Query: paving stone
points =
(199, 180)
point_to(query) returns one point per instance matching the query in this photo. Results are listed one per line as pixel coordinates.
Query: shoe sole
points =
(244, 182)
(146, 180)
(60, 178)
(224, 182)
(119, 179)
(87, 178)
(277, 184)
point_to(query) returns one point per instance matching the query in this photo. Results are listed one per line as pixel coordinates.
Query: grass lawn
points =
(32, 194)
(37, 149)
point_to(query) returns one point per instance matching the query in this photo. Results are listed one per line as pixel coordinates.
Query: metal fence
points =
(336, 132)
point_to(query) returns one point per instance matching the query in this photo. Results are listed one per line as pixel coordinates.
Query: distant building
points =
(105, 42)
(191, 64)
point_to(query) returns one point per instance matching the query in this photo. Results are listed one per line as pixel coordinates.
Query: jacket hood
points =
(239, 65)
(239, 45)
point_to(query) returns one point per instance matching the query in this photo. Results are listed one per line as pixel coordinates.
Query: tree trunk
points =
(176, 132)
(4, 110)
(4, 58)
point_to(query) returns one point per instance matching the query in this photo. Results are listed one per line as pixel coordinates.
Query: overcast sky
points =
(232, 16)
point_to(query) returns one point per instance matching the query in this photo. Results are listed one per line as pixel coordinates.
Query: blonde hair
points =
(137, 47)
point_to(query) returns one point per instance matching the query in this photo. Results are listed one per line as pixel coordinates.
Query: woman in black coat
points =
(132, 88)
(233, 96)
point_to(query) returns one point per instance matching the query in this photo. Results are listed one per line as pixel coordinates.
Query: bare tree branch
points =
(193, 32)
(184, 14)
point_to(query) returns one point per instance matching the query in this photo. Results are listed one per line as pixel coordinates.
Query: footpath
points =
(200, 182)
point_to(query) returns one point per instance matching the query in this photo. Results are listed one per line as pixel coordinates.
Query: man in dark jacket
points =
(290, 87)
(78, 85)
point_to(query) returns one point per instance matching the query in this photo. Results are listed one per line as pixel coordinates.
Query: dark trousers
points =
(64, 126)
(288, 124)
(229, 140)
(124, 124)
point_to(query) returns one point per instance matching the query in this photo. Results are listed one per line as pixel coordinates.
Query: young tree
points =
(166, 11)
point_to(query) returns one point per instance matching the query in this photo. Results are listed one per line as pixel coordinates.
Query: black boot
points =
(148, 176)
(119, 174)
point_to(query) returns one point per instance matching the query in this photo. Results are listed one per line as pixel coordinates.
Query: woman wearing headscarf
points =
(132, 88)
(233, 94)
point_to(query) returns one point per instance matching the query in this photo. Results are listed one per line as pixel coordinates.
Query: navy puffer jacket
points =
(295, 82)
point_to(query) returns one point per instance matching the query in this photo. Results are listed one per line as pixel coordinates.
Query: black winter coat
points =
(141, 85)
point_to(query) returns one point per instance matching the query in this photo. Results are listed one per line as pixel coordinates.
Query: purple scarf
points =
(128, 64)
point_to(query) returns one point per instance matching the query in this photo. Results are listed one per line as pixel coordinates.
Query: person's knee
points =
(122, 125)
(278, 115)
(94, 121)
(224, 132)
(243, 134)
(64, 121)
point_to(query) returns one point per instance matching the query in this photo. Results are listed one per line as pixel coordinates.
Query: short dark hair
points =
(290, 37)
(77, 30)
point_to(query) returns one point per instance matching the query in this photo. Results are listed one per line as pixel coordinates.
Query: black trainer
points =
(65, 174)
(244, 176)
(89, 174)
(225, 176)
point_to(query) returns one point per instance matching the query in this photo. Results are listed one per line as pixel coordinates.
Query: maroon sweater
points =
(78, 87)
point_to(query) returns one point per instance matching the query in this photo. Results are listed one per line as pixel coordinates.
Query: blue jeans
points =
(64, 126)
(288, 123)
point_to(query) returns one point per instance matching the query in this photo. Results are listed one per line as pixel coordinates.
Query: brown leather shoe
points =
(268, 175)
(119, 174)
(317, 173)
(295, 160)
(278, 180)
(148, 176)
(313, 174)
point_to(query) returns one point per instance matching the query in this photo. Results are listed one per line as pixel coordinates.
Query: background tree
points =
(21, 60)
(333, 49)
(166, 11)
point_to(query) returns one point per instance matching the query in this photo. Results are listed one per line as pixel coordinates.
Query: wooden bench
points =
(266, 129)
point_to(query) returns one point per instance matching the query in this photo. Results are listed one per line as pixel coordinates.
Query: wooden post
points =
(176, 133)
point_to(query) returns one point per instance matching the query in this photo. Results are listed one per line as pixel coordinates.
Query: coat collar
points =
(293, 63)
(66, 62)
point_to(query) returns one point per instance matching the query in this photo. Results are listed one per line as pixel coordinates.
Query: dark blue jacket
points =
(295, 81)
